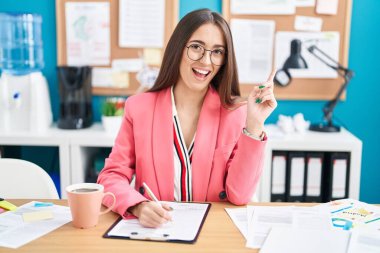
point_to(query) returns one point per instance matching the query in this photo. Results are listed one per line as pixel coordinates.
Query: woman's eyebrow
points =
(203, 44)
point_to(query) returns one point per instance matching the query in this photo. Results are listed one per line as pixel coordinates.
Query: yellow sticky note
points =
(152, 56)
(7, 205)
(120, 79)
(36, 216)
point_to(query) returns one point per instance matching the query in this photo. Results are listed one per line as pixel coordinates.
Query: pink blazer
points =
(226, 164)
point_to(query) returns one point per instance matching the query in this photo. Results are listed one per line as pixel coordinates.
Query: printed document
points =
(239, 218)
(141, 23)
(187, 220)
(88, 36)
(328, 42)
(15, 232)
(253, 41)
(261, 219)
(263, 7)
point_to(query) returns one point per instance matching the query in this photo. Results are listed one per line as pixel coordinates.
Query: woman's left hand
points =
(261, 103)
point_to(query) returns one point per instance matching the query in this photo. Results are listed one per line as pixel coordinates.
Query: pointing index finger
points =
(272, 75)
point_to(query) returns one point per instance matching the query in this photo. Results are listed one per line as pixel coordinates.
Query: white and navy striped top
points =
(182, 160)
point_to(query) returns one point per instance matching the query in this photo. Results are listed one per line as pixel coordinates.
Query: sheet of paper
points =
(187, 220)
(253, 41)
(239, 218)
(326, 41)
(328, 7)
(263, 7)
(364, 241)
(129, 65)
(141, 23)
(152, 56)
(101, 77)
(308, 24)
(353, 214)
(264, 218)
(298, 240)
(87, 33)
(14, 232)
(305, 3)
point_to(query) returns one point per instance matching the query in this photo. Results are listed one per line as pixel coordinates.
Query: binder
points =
(296, 176)
(339, 171)
(278, 185)
(189, 215)
(313, 174)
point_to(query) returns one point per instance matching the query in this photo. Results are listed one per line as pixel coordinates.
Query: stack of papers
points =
(346, 226)
(29, 222)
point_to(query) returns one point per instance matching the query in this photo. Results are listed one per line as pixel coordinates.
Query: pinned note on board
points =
(309, 24)
(120, 79)
(328, 7)
(152, 56)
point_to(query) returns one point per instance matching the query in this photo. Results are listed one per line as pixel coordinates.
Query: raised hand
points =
(260, 104)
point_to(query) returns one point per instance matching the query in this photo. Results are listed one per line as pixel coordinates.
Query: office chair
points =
(20, 179)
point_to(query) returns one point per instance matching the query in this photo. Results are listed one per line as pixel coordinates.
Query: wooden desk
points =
(218, 234)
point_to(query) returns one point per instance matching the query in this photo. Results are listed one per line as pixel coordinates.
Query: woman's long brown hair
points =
(225, 81)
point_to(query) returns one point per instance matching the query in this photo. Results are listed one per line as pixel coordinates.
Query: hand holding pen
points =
(152, 213)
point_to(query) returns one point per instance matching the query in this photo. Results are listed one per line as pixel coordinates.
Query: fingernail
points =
(258, 100)
(261, 86)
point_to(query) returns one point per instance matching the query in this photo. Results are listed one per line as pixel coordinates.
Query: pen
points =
(150, 193)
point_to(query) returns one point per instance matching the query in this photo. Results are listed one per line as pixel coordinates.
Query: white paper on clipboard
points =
(187, 220)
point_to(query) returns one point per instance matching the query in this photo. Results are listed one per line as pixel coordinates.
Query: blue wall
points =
(360, 113)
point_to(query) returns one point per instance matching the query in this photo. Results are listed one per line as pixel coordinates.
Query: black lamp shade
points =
(295, 60)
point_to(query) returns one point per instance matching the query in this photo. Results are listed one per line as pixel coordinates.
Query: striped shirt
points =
(182, 160)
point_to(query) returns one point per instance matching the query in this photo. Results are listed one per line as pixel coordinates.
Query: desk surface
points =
(218, 234)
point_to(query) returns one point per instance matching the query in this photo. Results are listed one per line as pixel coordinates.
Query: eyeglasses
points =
(196, 52)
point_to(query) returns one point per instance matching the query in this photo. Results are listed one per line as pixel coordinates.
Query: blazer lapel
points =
(204, 145)
(163, 145)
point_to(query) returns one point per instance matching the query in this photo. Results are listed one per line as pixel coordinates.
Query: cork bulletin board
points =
(302, 88)
(171, 19)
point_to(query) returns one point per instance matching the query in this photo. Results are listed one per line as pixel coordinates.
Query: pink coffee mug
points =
(85, 201)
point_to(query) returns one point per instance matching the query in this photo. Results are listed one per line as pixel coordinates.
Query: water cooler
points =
(24, 95)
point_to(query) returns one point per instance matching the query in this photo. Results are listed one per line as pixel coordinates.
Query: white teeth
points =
(203, 72)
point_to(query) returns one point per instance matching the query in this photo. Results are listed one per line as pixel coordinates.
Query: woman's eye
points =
(195, 46)
(218, 51)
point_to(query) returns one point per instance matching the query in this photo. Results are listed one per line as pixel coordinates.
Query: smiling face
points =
(196, 75)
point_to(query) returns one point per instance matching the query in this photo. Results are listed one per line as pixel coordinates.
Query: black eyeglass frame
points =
(204, 52)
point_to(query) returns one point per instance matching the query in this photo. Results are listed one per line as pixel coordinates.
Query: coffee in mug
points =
(84, 190)
(85, 201)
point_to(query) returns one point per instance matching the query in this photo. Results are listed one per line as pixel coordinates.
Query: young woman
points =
(191, 137)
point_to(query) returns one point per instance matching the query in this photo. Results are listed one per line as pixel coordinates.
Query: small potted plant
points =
(112, 114)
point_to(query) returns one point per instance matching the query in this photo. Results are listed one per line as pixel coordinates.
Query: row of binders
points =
(309, 176)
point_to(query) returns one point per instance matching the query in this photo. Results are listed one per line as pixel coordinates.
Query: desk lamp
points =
(283, 78)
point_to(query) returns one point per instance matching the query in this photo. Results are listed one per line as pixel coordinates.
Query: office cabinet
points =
(335, 144)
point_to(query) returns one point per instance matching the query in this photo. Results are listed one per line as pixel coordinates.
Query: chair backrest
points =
(20, 179)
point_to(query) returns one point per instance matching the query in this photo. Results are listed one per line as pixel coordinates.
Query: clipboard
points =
(188, 219)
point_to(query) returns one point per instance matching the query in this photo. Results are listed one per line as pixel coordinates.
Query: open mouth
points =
(200, 73)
